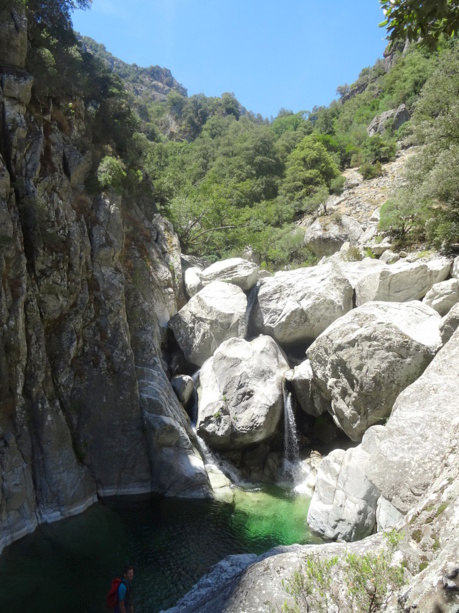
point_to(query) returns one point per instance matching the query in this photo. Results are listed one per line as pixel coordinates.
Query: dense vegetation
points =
(230, 180)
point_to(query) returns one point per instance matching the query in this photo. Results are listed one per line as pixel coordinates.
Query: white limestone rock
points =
(402, 281)
(299, 304)
(306, 392)
(242, 273)
(366, 358)
(241, 393)
(449, 324)
(343, 506)
(389, 257)
(183, 386)
(443, 296)
(212, 316)
(422, 430)
(193, 282)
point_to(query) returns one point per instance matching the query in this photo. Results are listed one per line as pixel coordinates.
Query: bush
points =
(337, 185)
(358, 583)
(370, 171)
(111, 173)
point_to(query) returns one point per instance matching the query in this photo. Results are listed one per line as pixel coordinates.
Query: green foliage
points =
(310, 170)
(428, 206)
(425, 19)
(359, 583)
(370, 171)
(111, 173)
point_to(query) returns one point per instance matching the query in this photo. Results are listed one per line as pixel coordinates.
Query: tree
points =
(310, 170)
(425, 19)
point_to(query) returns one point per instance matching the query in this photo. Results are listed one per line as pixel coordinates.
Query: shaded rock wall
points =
(88, 284)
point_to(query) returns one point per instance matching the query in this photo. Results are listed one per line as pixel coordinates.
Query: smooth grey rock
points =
(387, 516)
(300, 304)
(367, 357)
(443, 296)
(449, 324)
(421, 431)
(242, 273)
(193, 282)
(343, 506)
(399, 116)
(402, 281)
(241, 393)
(212, 316)
(327, 234)
(306, 392)
(183, 386)
(389, 257)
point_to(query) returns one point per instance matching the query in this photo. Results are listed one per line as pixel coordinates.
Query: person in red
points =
(124, 593)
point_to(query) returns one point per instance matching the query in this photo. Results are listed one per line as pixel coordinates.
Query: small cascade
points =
(213, 459)
(291, 449)
(251, 300)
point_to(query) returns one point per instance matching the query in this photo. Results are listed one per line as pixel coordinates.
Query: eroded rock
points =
(241, 393)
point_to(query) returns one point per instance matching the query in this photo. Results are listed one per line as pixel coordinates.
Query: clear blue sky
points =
(270, 54)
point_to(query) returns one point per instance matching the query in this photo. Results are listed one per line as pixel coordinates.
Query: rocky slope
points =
(88, 284)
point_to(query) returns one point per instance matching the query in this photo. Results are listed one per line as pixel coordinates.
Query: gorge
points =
(105, 323)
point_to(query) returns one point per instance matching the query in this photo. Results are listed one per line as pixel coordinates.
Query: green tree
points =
(425, 19)
(310, 171)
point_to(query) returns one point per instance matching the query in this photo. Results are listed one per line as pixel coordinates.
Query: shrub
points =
(370, 171)
(358, 583)
(111, 173)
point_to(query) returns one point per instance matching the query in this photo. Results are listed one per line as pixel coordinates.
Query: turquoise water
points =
(67, 566)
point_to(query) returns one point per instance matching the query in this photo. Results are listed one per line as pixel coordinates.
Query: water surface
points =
(67, 566)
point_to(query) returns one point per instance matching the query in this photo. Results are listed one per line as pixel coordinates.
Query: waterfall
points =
(291, 449)
(213, 459)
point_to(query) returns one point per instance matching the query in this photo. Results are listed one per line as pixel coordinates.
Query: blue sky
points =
(270, 54)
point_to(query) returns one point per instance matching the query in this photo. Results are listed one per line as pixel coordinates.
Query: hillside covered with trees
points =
(231, 180)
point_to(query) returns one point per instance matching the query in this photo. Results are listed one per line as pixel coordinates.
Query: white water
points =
(291, 463)
(211, 458)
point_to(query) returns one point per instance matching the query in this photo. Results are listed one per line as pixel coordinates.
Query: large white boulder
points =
(408, 452)
(212, 316)
(343, 506)
(299, 304)
(241, 393)
(242, 273)
(443, 296)
(402, 281)
(366, 358)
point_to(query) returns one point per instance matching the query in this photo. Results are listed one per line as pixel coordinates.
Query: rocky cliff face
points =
(87, 286)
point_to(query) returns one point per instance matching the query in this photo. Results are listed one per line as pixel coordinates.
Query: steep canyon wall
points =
(88, 283)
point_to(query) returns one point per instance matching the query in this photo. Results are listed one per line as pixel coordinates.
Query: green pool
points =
(67, 566)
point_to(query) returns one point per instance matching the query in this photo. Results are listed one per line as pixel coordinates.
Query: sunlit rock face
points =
(241, 393)
(89, 282)
(298, 305)
(214, 315)
(366, 358)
